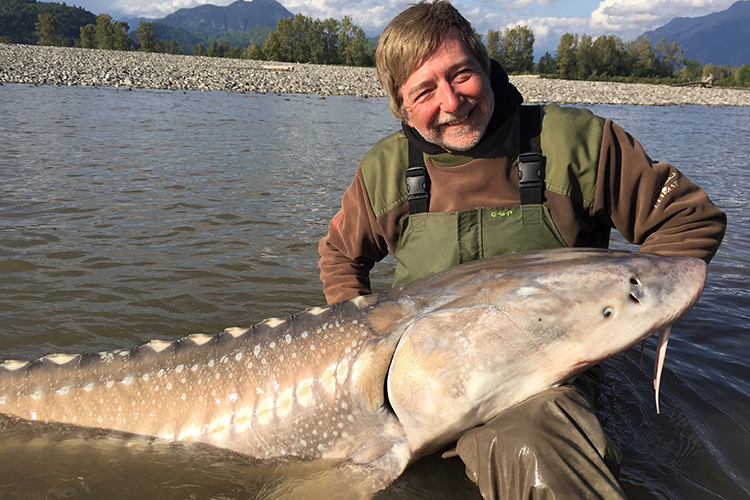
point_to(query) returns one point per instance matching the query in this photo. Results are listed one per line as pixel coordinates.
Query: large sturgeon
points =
(380, 379)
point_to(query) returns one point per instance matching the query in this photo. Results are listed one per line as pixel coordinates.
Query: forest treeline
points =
(331, 41)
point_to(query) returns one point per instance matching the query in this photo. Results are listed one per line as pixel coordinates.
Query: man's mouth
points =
(456, 119)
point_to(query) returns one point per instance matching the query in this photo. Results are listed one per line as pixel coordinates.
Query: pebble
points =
(31, 64)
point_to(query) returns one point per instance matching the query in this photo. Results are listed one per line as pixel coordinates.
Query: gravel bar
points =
(36, 65)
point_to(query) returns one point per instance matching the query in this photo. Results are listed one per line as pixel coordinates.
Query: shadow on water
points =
(128, 216)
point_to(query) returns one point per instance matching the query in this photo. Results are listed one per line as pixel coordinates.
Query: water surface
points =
(132, 215)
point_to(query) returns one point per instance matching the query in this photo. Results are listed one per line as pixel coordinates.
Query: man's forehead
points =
(450, 54)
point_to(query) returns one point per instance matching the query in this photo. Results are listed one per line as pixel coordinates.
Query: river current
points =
(132, 215)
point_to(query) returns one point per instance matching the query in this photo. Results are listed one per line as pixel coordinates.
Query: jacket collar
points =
(507, 100)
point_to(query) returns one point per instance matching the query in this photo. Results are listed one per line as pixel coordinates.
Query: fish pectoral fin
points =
(386, 454)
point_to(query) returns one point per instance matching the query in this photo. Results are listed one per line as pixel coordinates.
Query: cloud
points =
(160, 9)
(644, 15)
(624, 18)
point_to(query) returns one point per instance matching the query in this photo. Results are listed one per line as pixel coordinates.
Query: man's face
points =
(448, 98)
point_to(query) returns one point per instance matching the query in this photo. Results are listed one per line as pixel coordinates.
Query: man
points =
(465, 141)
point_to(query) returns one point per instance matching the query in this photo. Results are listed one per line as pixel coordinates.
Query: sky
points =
(548, 19)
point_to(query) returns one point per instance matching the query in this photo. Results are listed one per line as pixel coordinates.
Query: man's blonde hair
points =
(413, 35)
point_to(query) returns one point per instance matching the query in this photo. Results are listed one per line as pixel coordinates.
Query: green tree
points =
(719, 73)
(742, 75)
(518, 46)
(640, 57)
(46, 30)
(218, 49)
(608, 53)
(691, 71)
(88, 36)
(329, 40)
(165, 46)
(200, 50)
(585, 58)
(493, 44)
(566, 56)
(146, 33)
(352, 44)
(278, 45)
(668, 57)
(104, 32)
(547, 65)
(253, 52)
(121, 39)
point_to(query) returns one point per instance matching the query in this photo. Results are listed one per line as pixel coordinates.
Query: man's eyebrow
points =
(452, 69)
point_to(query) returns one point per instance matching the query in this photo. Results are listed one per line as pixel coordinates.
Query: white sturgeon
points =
(377, 380)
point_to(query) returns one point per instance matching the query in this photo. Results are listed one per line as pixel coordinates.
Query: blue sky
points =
(548, 19)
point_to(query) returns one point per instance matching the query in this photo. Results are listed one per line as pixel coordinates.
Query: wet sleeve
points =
(652, 204)
(352, 246)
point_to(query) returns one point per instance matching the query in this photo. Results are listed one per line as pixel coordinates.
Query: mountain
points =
(238, 16)
(239, 39)
(719, 38)
(18, 18)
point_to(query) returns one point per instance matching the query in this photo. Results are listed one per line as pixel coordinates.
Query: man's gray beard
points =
(456, 141)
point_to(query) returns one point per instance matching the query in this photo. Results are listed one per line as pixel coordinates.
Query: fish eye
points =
(608, 312)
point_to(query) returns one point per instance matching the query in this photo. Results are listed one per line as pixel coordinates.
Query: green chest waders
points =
(434, 241)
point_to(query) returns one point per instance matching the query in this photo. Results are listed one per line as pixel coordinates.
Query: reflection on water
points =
(127, 216)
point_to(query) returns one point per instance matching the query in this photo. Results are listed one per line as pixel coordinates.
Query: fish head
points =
(507, 328)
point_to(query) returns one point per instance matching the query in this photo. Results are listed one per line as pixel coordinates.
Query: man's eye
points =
(422, 95)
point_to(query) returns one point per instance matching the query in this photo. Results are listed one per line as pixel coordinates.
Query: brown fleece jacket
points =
(650, 203)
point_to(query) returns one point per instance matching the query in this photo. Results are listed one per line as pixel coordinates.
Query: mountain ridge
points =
(718, 38)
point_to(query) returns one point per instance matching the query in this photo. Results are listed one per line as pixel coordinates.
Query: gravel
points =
(36, 65)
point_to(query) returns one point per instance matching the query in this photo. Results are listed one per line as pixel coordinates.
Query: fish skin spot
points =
(274, 322)
(13, 365)
(61, 359)
(315, 311)
(159, 345)
(235, 331)
(200, 338)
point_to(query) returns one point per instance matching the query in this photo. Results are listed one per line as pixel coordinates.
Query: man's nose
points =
(450, 99)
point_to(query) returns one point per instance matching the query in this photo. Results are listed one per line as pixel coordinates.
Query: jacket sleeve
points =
(352, 246)
(651, 203)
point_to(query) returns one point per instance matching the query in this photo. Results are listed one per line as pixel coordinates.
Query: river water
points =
(132, 215)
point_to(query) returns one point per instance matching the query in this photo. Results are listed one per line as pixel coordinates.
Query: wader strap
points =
(530, 161)
(417, 182)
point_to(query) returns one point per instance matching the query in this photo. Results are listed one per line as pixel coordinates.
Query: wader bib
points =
(435, 241)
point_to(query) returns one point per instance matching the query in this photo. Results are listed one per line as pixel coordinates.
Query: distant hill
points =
(238, 16)
(719, 38)
(17, 19)
(240, 39)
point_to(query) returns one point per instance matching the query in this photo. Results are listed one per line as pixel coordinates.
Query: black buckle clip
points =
(417, 182)
(530, 170)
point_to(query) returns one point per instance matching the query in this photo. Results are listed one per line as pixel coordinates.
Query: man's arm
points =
(652, 204)
(352, 246)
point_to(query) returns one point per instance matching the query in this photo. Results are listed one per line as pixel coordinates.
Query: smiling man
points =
(472, 174)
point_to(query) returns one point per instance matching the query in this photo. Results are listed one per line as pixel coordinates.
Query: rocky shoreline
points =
(36, 65)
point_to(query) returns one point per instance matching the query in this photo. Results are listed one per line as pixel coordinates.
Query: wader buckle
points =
(531, 177)
(417, 183)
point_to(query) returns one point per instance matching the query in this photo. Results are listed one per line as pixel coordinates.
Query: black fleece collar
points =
(507, 101)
